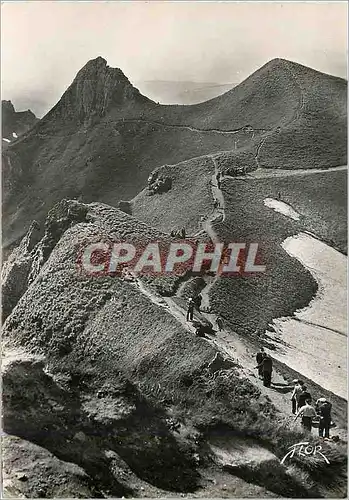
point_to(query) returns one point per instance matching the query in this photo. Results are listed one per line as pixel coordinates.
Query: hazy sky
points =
(45, 43)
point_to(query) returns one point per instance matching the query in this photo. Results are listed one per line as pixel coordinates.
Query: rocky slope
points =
(15, 123)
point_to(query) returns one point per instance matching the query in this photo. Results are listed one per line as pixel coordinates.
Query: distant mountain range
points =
(172, 92)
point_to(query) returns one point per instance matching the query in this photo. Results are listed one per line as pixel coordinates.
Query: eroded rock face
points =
(25, 261)
(16, 270)
(31, 471)
(15, 123)
(94, 91)
(78, 417)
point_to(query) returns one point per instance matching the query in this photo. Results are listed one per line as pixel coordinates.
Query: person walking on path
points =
(198, 301)
(307, 412)
(267, 369)
(303, 396)
(295, 395)
(190, 310)
(324, 411)
(259, 358)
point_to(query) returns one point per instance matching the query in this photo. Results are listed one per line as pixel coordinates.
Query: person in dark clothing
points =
(218, 179)
(200, 331)
(303, 397)
(190, 310)
(324, 412)
(267, 368)
(198, 301)
(183, 233)
(259, 358)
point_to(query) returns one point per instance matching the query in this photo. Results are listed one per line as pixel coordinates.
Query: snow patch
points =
(7, 140)
(15, 135)
(282, 208)
(315, 339)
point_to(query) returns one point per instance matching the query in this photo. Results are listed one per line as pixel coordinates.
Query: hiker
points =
(319, 403)
(182, 233)
(200, 330)
(198, 301)
(216, 203)
(219, 322)
(297, 390)
(259, 358)
(173, 233)
(308, 413)
(303, 396)
(324, 408)
(201, 222)
(190, 310)
(267, 368)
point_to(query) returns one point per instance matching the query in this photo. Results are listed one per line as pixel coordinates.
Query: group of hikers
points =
(301, 399)
(302, 407)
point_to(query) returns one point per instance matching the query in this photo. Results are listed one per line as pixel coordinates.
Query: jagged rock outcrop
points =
(16, 270)
(14, 123)
(26, 260)
(30, 471)
(95, 90)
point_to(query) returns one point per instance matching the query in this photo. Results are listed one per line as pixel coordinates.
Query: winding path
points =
(187, 127)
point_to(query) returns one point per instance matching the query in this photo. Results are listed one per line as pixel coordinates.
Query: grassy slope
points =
(320, 198)
(316, 137)
(250, 303)
(189, 198)
(256, 101)
(110, 163)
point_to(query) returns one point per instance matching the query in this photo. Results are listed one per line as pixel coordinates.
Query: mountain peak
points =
(7, 106)
(95, 90)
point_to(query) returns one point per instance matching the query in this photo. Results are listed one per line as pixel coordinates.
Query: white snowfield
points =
(7, 140)
(14, 135)
(314, 341)
(282, 208)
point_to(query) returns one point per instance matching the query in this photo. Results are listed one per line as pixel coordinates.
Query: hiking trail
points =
(231, 345)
